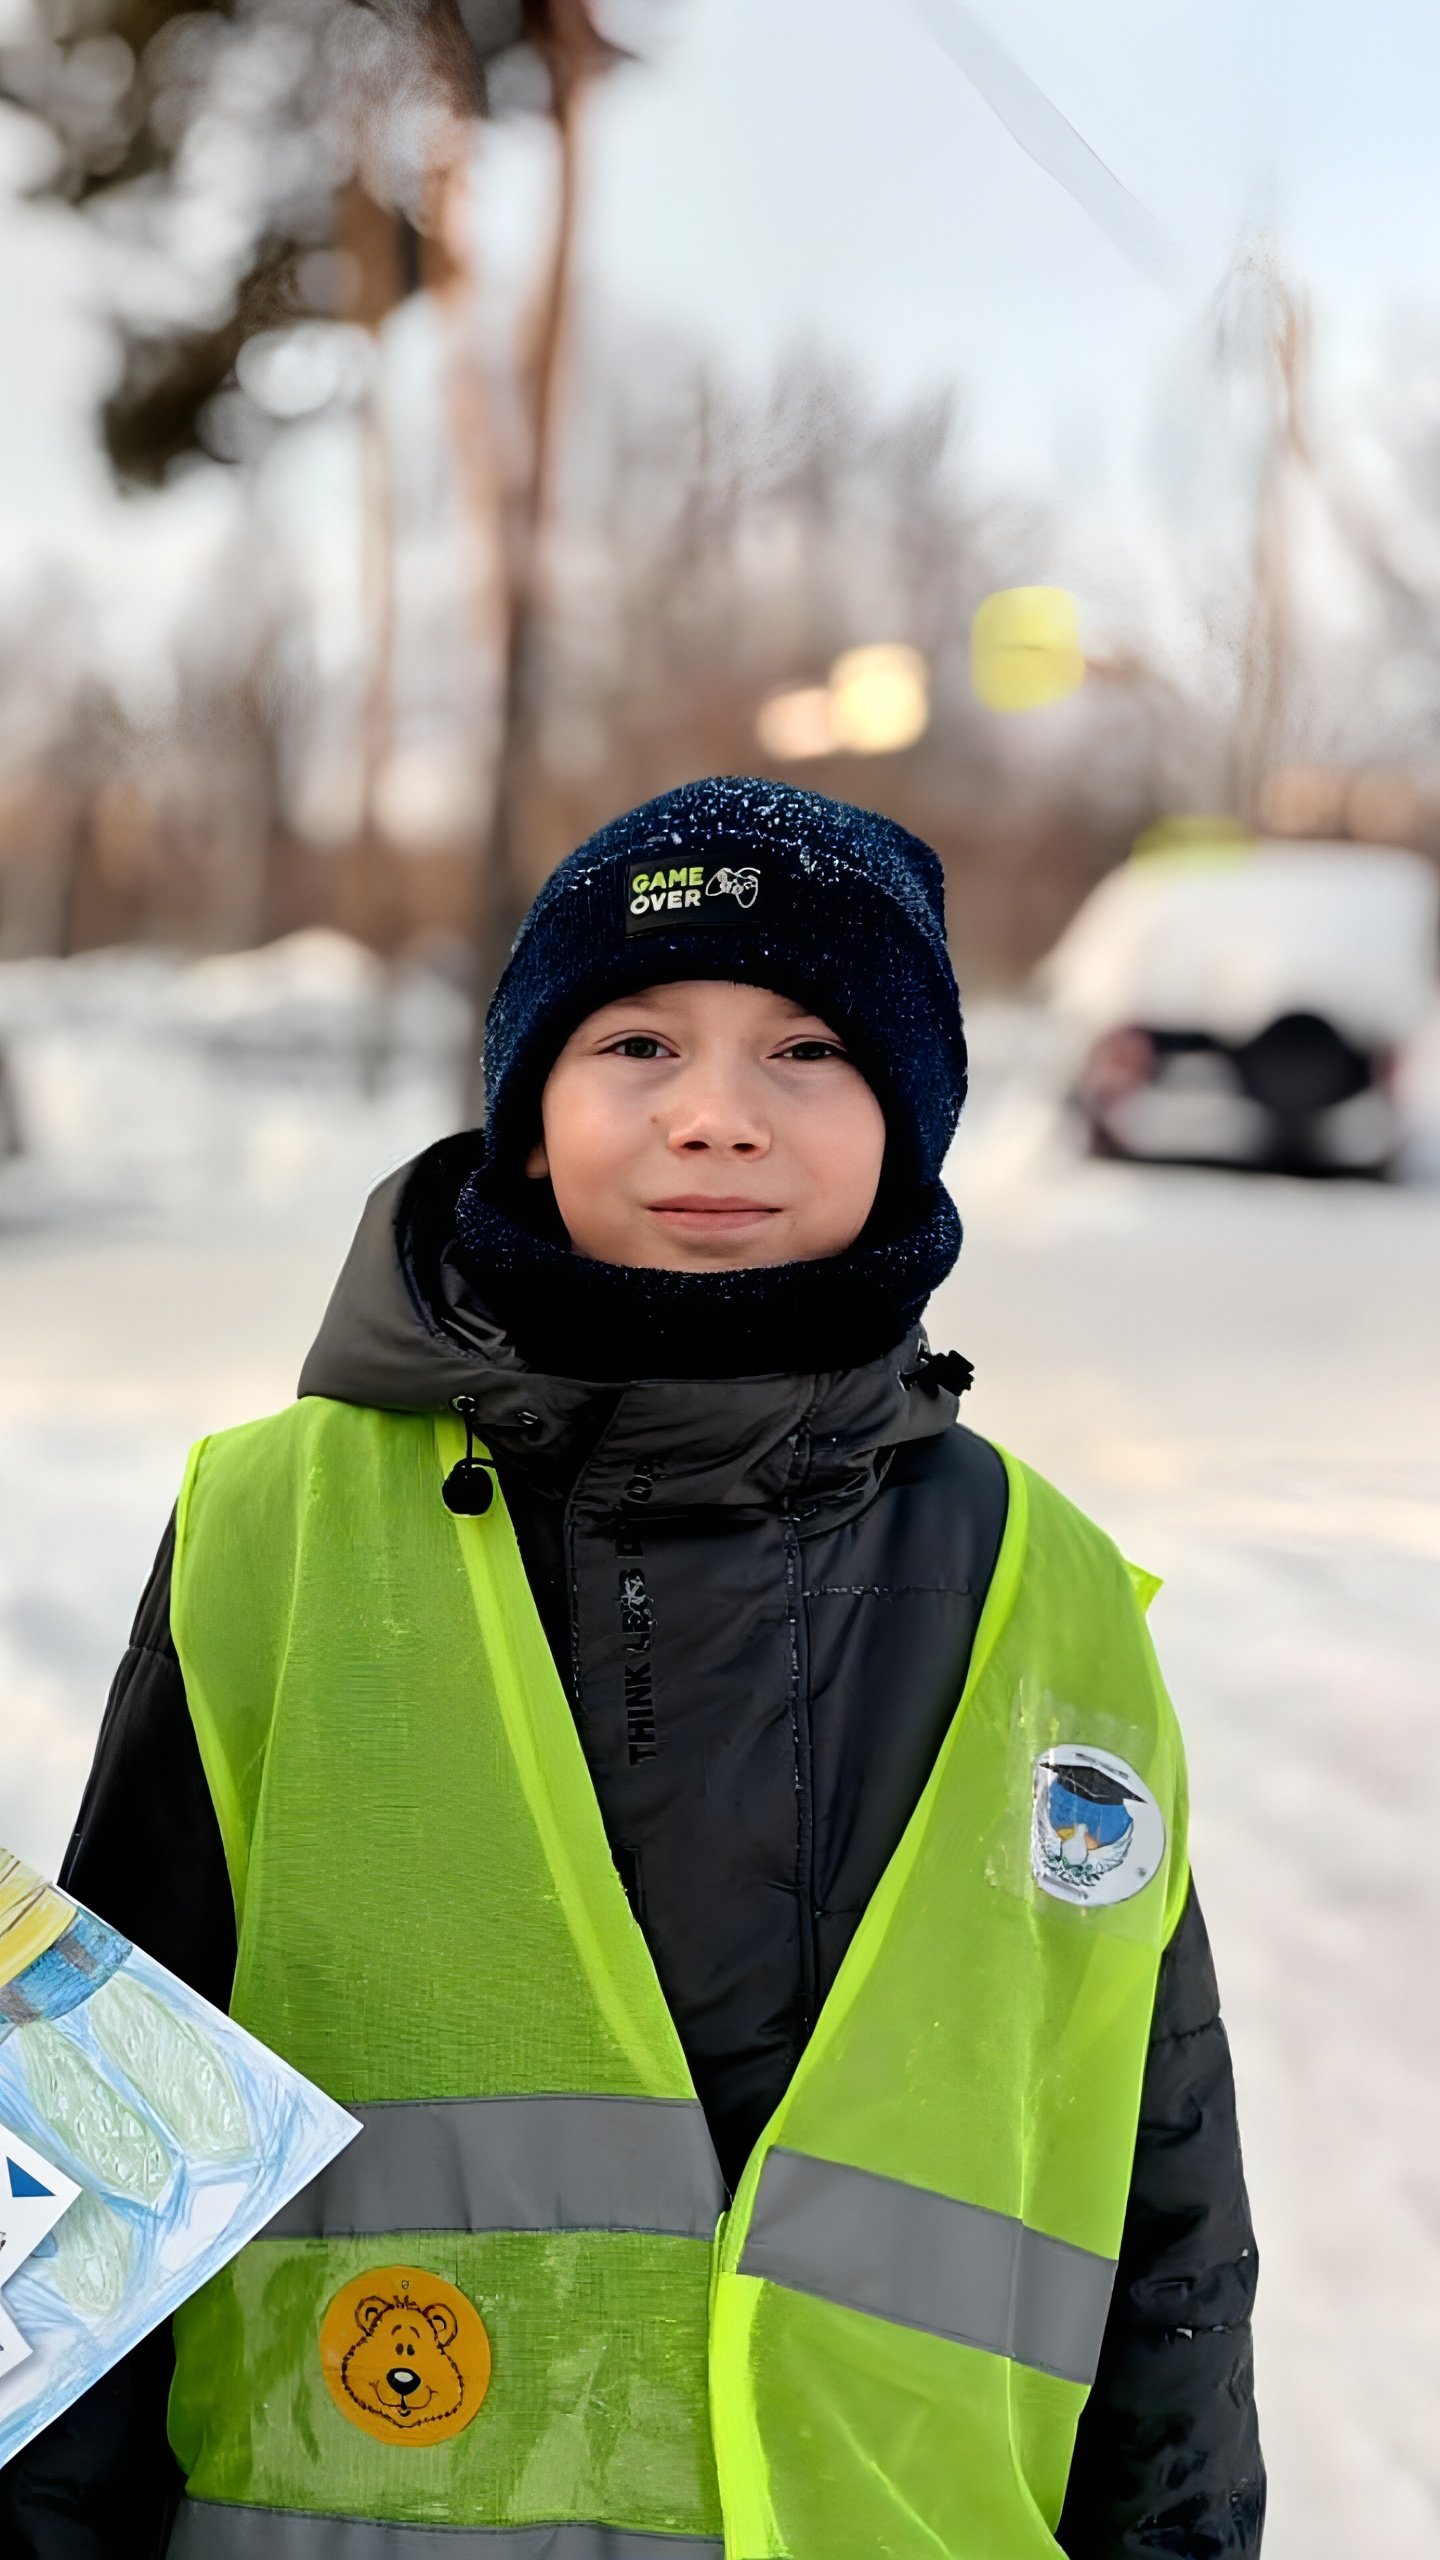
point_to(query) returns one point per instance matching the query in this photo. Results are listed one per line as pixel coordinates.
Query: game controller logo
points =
(744, 886)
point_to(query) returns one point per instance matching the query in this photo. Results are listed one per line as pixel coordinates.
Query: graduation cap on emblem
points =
(1094, 1786)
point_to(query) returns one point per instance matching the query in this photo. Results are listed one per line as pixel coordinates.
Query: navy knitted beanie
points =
(832, 905)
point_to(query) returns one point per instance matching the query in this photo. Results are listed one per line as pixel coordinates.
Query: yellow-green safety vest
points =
(515, 2320)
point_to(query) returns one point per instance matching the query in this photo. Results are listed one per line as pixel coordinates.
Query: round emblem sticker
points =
(406, 2355)
(1097, 1834)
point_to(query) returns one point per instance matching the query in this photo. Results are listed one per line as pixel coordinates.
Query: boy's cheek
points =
(594, 1162)
(591, 1122)
(597, 1211)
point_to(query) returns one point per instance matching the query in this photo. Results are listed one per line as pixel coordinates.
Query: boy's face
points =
(708, 1126)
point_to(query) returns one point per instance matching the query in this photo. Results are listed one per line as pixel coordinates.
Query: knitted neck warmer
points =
(572, 1317)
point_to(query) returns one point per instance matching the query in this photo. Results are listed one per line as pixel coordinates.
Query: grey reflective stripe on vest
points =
(906, 2254)
(205, 2530)
(516, 2164)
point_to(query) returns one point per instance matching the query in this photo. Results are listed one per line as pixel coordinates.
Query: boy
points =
(665, 1768)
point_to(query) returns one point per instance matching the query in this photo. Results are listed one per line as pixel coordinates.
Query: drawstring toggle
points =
(467, 1488)
(948, 1369)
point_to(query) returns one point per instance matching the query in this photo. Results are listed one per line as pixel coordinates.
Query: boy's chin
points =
(709, 1257)
(762, 1258)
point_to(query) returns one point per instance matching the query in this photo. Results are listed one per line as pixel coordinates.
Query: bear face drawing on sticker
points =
(405, 2355)
(400, 2367)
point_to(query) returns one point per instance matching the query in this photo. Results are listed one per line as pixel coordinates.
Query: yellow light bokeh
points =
(879, 698)
(876, 702)
(1190, 836)
(795, 723)
(1025, 648)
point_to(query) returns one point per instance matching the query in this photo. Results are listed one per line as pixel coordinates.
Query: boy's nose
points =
(718, 1117)
(697, 1143)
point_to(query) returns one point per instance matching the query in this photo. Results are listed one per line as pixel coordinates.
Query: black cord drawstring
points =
(467, 1488)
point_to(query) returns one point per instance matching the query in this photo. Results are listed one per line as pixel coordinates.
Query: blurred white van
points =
(1248, 1003)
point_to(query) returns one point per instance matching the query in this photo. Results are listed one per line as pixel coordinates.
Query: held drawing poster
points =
(144, 2138)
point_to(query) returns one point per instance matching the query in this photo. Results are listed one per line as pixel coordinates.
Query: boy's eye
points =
(806, 1050)
(637, 1044)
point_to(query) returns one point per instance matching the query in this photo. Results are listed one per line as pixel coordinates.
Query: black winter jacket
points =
(808, 1557)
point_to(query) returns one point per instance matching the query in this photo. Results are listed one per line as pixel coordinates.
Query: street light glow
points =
(876, 702)
(1025, 648)
(879, 698)
(795, 724)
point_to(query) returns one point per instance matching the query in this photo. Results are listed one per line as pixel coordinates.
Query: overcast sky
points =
(821, 168)
(786, 170)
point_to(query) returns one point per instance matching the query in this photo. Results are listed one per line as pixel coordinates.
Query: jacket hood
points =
(404, 1330)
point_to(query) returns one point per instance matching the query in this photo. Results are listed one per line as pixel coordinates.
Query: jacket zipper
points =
(804, 1785)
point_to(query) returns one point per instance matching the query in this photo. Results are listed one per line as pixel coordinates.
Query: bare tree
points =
(573, 54)
(717, 548)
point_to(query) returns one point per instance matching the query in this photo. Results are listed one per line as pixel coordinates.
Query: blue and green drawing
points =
(183, 2134)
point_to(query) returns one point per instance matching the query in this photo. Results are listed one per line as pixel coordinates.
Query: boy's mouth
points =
(698, 1213)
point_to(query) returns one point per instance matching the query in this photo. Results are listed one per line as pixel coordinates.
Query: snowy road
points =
(1239, 1378)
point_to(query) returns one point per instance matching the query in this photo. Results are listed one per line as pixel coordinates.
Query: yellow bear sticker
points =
(406, 2355)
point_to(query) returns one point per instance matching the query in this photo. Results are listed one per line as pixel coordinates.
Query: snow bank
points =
(141, 1083)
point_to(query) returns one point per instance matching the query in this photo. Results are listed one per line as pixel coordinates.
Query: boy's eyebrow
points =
(663, 996)
(606, 1016)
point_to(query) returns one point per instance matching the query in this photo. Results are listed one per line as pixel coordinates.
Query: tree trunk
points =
(502, 890)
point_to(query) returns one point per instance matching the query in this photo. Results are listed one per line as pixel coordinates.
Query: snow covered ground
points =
(1238, 1376)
